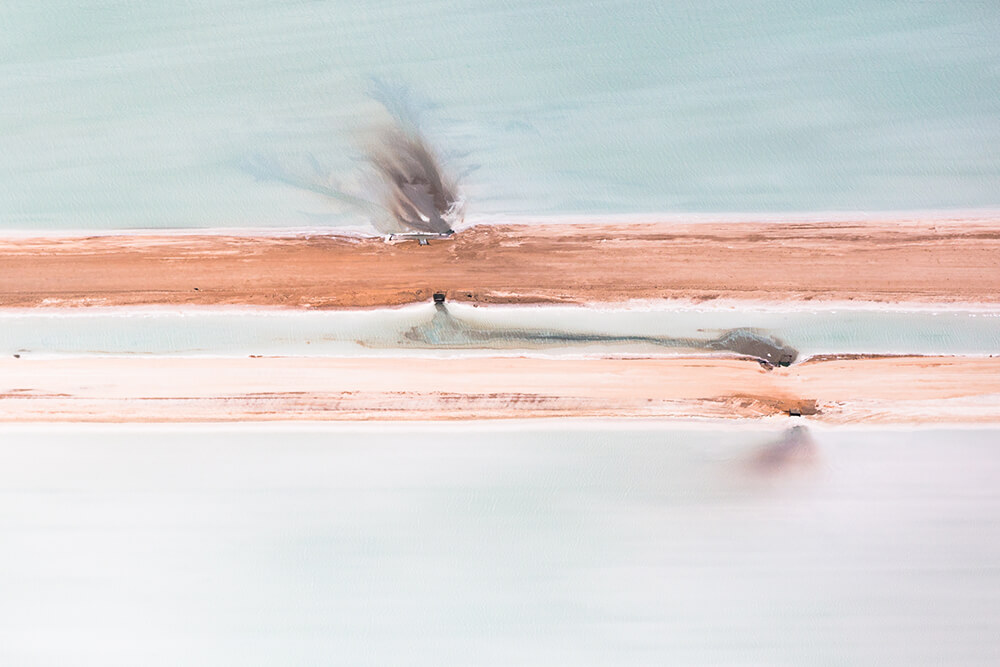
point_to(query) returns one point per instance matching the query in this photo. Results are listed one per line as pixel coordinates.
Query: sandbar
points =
(904, 390)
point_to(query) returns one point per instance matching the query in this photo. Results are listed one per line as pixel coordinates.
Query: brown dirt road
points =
(569, 263)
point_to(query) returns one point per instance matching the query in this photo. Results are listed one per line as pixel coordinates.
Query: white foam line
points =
(743, 306)
(902, 217)
(766, 425)
(611, 307)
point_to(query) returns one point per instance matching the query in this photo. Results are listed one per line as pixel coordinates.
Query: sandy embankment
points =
(940, 262)
(875, 390)
(956, 262)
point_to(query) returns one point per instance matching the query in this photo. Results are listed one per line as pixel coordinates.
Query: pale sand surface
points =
(932, 262)
(117, 389)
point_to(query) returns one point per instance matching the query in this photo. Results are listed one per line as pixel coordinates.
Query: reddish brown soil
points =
(886, 262)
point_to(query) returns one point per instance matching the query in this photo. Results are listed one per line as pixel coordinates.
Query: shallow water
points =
(570, 543)
(555, 330)
(153, 114)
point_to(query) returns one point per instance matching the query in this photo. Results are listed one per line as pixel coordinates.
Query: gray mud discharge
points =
(404, 187)
(446, 331)
(415, 190)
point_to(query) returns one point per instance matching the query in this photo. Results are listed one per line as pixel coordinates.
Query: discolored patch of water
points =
(444, 330)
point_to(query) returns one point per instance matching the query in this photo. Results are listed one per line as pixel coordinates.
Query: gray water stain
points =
(795, 451)
(445, 331)
(401, 186)
(416, 190)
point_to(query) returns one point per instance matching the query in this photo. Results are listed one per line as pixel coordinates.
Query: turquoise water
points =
(597, 544)
(196, 114)
(511, 330)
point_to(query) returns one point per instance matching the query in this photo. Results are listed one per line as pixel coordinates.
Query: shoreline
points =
(763, 426)
(715, 306)
(901, 217)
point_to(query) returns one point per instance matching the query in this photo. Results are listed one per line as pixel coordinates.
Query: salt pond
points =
(495, 544)
(551, 330)
(226, 113)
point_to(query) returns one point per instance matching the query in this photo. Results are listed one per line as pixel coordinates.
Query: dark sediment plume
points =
(444, 330)
(755, 344)
(415, 191)
(406, 176)
(404, 189)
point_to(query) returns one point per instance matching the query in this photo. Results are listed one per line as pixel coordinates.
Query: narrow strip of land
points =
(876, 390)
(884, 262)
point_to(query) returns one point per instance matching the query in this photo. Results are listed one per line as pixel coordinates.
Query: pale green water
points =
(512, 330)
(502, 544)
(145, 114)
